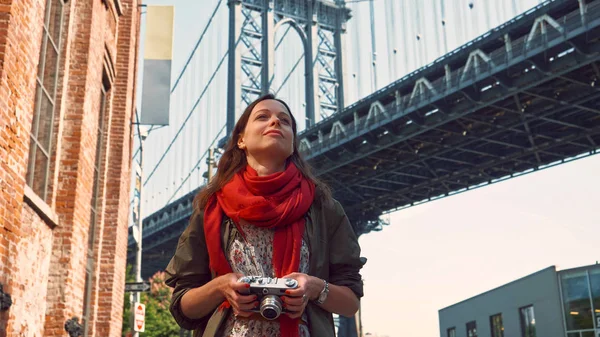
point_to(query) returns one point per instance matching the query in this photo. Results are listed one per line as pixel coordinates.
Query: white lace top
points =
(254, 257)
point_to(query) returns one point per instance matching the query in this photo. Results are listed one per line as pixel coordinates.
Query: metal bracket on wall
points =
(73, 327)
(5, 300)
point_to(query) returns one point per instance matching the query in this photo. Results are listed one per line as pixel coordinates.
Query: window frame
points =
(523, 323)
(467, 328)
(103, 113)
(36, 148)
(492, 330)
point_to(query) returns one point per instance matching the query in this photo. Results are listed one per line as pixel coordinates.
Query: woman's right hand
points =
(232, 290)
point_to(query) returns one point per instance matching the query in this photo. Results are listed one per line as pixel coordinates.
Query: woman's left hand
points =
(296, 299)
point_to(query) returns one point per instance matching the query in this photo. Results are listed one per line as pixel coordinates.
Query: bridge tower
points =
(252, 26)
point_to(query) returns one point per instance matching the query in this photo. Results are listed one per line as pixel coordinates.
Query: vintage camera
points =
(268, 291)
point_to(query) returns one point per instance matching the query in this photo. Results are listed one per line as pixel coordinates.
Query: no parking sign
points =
(139, 317)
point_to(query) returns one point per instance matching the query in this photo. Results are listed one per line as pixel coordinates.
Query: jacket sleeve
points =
(344, 252)
(188, 269)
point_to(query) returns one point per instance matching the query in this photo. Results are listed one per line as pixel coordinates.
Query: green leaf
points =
(159, 321)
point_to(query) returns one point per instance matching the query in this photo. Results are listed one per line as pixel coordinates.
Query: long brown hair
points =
(234, 159)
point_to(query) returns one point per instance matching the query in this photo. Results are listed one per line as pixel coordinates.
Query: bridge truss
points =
(521, 98)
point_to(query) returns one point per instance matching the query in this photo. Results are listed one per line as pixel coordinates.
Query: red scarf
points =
(279, 200)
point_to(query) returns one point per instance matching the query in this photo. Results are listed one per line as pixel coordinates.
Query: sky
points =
(432, 255)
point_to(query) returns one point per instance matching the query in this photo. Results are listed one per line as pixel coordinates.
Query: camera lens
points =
(270, 307)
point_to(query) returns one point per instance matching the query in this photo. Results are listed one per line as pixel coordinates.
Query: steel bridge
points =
(522, 97)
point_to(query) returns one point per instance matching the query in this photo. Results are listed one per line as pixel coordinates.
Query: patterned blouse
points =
(254, 257)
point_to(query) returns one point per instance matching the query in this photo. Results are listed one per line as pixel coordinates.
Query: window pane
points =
(578, 311)
(38, 166)
(587, 334)
(55, 18)
(472, 329)
(43, 119)
(34, 122)
(497, 326)
(92, 231)
(527, 322)
(50, 69)
(31, 164)
(86, 299)
(46, 120)
(595, 281)
(452, 332)
(41, 60)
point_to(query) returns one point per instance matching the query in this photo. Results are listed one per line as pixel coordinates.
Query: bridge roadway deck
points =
(520, 98)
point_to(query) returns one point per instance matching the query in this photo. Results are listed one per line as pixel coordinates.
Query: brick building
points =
(67, 79)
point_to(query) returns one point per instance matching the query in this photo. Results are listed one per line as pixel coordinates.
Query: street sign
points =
(135, 232)
(140, 317)
(136, 287)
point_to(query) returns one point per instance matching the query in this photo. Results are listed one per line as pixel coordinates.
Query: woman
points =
(265, 214)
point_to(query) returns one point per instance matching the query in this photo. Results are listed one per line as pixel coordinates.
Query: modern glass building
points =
(548, 303)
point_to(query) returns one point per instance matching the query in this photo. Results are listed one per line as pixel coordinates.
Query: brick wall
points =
(43, 243)
(25, 240)
(114, 253)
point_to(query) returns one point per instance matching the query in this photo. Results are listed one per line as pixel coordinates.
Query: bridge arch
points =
(296, 27)
(253, 23)
(294, 49)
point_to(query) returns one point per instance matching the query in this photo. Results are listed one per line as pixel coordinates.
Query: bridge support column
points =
(267, 49)
(311, 83)
(234, 64)
(320, 24)
(340, 46)
(582, 11)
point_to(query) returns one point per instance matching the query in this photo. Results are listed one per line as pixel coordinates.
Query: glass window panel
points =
(42, 125)
(91, 234)
(527, 321)
(40, 166)
(50, 69)
(497, 326)
(55, 17)
(46, 120)
(576, 298)
(94, 216)
(31, 164)
(86, 298)
(587, 334)
(452, 332)
(41, 60)
(595, 282)
(573, 334)
(100, 136)
(472, 329)
(34, 122)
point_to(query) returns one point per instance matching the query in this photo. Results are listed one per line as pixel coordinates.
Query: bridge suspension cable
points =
(197, 164)
(287, 77)
(277, 47)
(196, 46)
(162, 157)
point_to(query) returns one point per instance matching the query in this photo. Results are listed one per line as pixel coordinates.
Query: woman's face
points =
(268, 133)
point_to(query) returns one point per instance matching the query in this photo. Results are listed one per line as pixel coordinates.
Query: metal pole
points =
(232, 88)
(360, 325)
(339, 50)
(138, 253)
(210, 161)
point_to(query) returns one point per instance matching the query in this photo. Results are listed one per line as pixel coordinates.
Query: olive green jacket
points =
(334, 256)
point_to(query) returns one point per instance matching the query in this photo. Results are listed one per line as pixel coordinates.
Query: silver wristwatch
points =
(323, 295)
